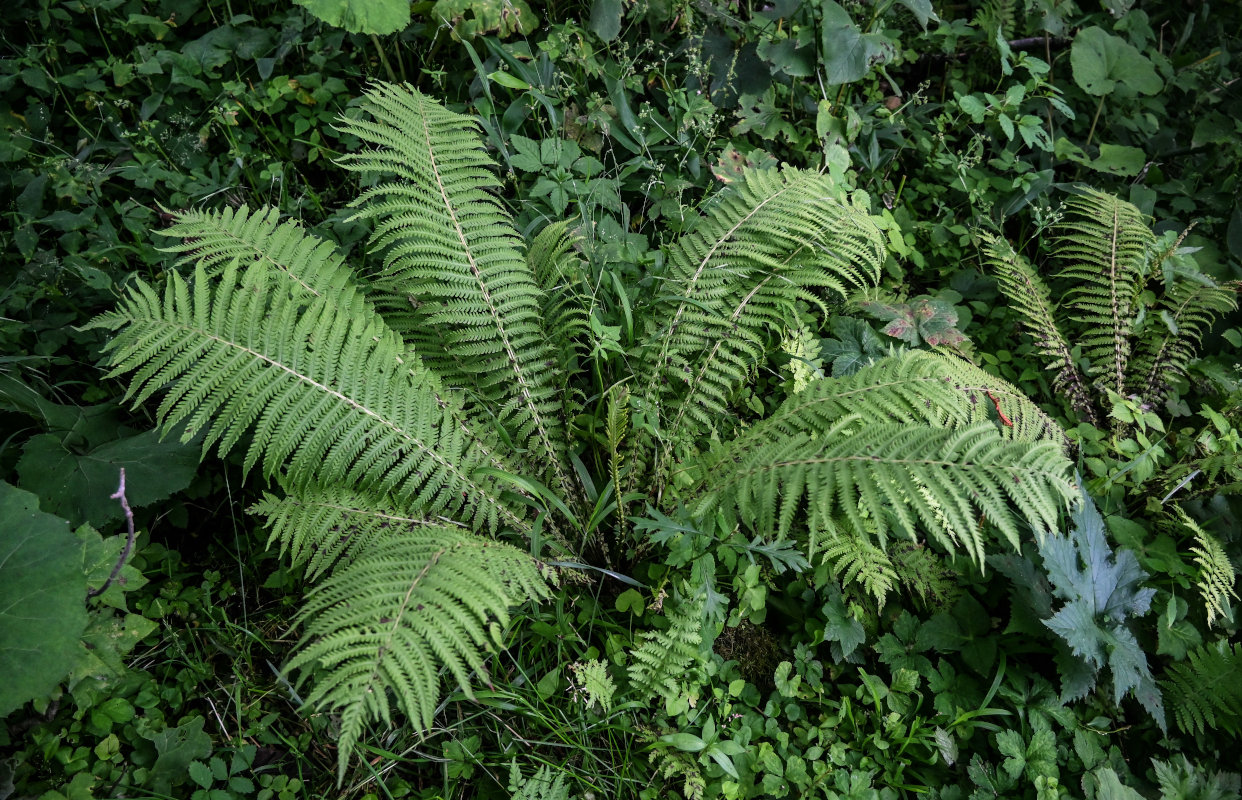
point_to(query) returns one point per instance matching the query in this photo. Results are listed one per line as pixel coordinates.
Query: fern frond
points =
(1205, 690)
(1029, 296)
(559, 272)
(1104, 243)
(658, 665)
(899, 477)
(327, 396)
(616, 428)
(453, 263)
(854, 559)
(404, 607)
(594, 681)
(540, 786)
(215, 239)
(734, 282)
(324, 527)
(1186, 311)
(1216, 575)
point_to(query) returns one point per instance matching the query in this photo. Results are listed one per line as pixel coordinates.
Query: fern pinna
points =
(417, 423)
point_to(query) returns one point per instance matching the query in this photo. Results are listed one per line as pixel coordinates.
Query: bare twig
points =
(119, 496)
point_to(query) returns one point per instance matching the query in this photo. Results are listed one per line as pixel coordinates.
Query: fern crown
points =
(421, 427)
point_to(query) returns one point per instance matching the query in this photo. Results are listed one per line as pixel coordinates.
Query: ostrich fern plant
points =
(423, 427)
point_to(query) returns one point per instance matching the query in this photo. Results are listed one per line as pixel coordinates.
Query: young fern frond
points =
(1186, 311)
(1205, 690)
(404, 607)
(1216, 575)
(323, 527)
(1030, 297)
(734, 282)
(327, 396)
(453, 266)
(898, 477)
(854, 559)
(1104, 243)
(658, 665)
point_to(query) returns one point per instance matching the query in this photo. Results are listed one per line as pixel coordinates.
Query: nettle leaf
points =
(42, 599)
(923, 319)
(848, 53)
(854, 345)
(1102, 62)
(1102, 593)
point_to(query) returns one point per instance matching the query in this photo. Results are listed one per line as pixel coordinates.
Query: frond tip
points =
(400, 611)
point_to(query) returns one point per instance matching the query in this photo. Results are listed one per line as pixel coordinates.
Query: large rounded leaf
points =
(379, 17)
(1102, 62)
(42, 599)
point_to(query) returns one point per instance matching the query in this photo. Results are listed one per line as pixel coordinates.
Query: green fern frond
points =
(1029, 296)
(593, 680)
(1205, 690)
(1104, 243)
(324, 527)
(854, 559)
(540, 786)
(403, 608)
(216, 239)
(327, 396)
(899, 477)
(559, 271)
(734, 282)
(454, 281)
(1186, 311)
(616, 428)
(1216, 575)
(658, 665)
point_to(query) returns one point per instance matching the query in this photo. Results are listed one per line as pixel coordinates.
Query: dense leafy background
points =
(955, 119)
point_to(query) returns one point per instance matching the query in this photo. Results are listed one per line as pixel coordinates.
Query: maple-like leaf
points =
(1102, 592)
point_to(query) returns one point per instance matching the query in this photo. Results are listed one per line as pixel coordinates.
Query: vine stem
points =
(1099, 107)
(119, 495)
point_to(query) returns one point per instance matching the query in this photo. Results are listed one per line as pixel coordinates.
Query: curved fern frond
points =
(915, 387)
(895, 477)
(215, 239)
(1104, 243)
(324, 527)
(1029, 296)
(854, 559)
(1187, 309)
(402, 608)
(453, 261)
(1205, 690)
(327, 396)
(734, 282)
(1216, 575)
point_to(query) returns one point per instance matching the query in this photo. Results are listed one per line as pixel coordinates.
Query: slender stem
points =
(1094, 119)
(119, 495)
(383, 57)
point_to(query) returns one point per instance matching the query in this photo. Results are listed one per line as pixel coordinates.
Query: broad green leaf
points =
(606, 19)
(470, 18)
(379, 17)
(922, 10)
(1102, 62)
(177, 748)
(848, 53)
(1120, 160)
(42, 599)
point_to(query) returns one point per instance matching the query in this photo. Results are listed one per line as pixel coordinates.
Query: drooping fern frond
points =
(1029, 296)
(1104, 244)
(733, 283)
(1184, 314)
(1205, 690)
(326, 395)
(896, 477)
(324, 527)
(658, 665)
(559, 272)
(616, 429)
(916, 387)
(455, 282)
(1216, 575)
(404, 607)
